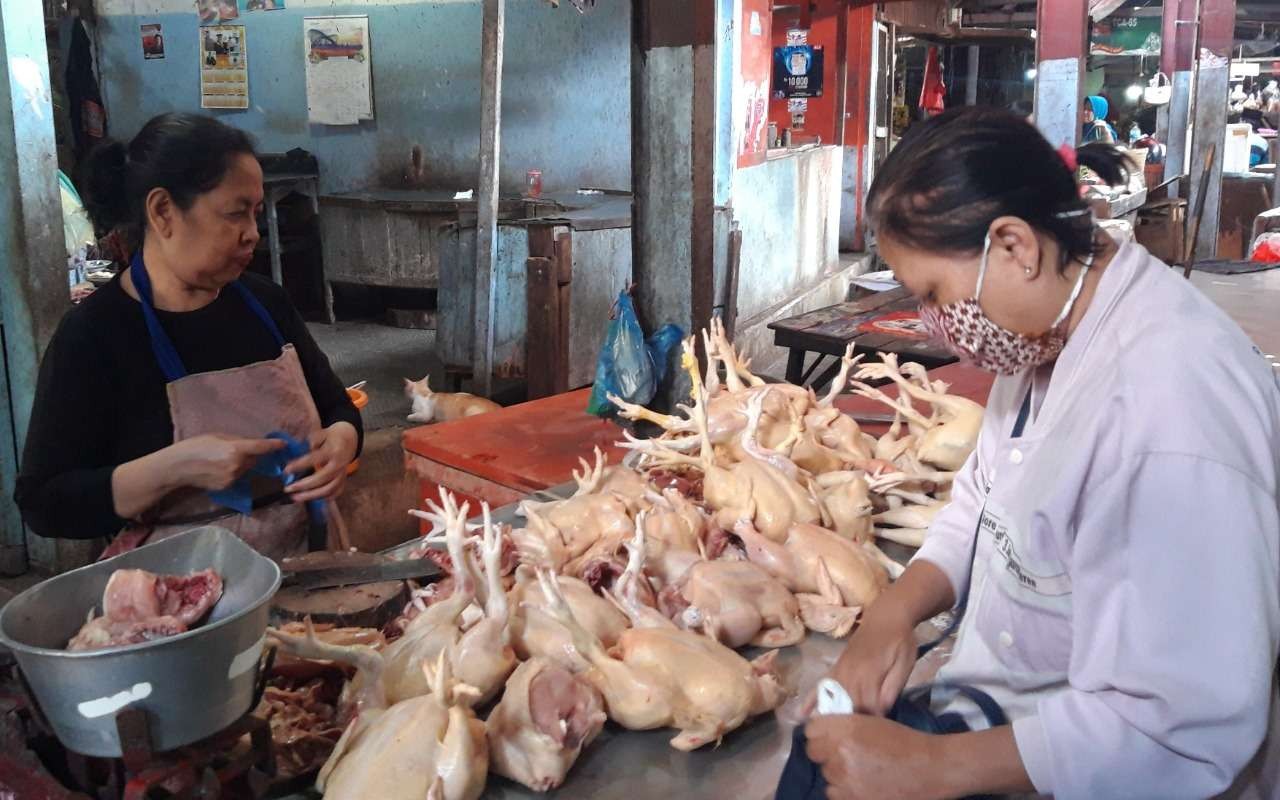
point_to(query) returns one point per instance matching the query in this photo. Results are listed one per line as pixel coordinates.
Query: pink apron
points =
(250, 402)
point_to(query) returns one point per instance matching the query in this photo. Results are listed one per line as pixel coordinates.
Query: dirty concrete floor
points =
(377, 496)
(383, 356)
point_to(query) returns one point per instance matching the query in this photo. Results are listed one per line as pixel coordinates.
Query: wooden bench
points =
(827, 331)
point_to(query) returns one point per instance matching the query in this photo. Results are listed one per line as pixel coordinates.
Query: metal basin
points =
(191, 685)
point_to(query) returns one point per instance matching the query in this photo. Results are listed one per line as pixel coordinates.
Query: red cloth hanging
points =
(933, 95)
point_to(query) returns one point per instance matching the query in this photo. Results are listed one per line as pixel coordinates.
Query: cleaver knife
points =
(328, 577)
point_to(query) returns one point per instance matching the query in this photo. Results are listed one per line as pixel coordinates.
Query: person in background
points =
(1270, 106)
(164, 385)
(1093, 113)
(1112, 546)
(1259, 148)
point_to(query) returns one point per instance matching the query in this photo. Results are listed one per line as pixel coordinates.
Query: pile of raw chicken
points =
(751, 519)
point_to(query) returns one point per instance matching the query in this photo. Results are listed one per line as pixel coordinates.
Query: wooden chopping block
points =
(369, 605)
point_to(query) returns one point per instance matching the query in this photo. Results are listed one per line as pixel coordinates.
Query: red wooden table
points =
(504, 456)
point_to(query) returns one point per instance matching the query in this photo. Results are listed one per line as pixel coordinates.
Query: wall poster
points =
(224, 67)
(797, 71)
(152, 42)
(214, 12)
(339, 69)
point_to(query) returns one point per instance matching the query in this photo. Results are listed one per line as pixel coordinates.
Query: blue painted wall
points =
(566, 107)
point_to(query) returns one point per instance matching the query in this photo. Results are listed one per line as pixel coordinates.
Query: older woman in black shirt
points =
(164, 384)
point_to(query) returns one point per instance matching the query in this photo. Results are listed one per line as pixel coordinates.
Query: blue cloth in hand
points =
(239, 496)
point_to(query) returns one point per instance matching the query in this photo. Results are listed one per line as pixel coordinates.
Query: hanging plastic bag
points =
(629, 366)
(660, 346)
(1266, 249)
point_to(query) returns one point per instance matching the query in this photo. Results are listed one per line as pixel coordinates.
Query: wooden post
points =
(842, 72)
(549, 299)
(672, 161)
(859, 119)
(971, 82)
(702, 136)
(487, 190)
(1177, 59)
(34, 292)
(1209, 116)
(1062, 48)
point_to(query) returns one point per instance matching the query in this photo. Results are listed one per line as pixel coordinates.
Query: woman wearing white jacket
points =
(1113, 542)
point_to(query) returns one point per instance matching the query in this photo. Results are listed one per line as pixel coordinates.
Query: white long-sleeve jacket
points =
(1124, 604)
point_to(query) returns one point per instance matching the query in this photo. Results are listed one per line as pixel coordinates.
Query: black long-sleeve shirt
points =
(101, 401)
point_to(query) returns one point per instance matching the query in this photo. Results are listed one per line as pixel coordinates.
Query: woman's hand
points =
(332, 450)
(213, 462)
(870, 757)
(876, 663)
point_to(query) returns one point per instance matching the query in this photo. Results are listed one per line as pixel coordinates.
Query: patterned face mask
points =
(965, 329)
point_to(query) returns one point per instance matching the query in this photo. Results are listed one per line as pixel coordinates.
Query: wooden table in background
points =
(827, 331)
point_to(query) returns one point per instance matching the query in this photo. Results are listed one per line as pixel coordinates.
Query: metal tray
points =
(191, 685)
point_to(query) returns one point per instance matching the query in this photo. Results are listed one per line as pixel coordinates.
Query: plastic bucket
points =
(360, 400)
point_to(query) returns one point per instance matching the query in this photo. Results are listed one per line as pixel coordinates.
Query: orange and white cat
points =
(429, 406)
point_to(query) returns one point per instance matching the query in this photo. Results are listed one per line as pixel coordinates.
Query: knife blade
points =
(327, 577)
(856, 417)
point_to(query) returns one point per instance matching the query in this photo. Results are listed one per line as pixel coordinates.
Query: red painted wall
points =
(753, 80)
(820, 120)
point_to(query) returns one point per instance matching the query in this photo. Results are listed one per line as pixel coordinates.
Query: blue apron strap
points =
(1019, 426)
(259, 310)
(166, 354)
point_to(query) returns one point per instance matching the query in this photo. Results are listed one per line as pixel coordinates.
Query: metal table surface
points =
(638, 765)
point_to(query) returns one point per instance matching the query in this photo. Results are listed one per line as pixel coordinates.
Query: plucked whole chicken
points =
(751, 519)
(546, 717)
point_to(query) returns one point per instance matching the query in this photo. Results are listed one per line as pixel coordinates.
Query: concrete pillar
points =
(33, 263)
(1209, 122)
(678, 158)
(1177, 57)
(1062, 48)
(859, 79)
(971, 80)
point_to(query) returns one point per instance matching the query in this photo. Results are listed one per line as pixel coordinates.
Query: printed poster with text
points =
(339, 69)
(224, 67)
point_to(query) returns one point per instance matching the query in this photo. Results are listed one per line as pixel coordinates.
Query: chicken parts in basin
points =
(139, 606)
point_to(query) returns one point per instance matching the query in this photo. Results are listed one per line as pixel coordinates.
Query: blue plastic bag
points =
(239, 496)
(629, 366)
(660, 346)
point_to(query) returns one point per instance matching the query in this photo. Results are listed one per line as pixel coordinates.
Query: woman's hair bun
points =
(186, 155)
(106, 173)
